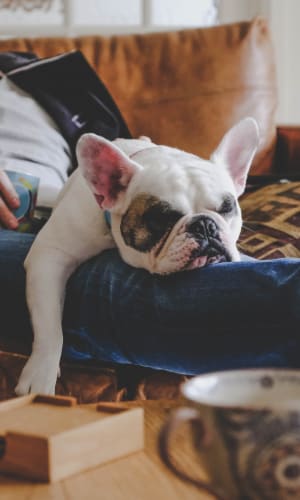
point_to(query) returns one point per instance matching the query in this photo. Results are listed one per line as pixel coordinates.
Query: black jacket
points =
(70, 91)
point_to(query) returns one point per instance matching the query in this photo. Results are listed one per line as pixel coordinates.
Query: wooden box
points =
(49, 438)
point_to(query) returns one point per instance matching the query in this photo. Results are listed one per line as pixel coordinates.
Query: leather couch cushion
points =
(184, 88)
(271, 218)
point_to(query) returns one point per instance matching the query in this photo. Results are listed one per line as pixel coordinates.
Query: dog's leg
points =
(48, 270)
(75, 232)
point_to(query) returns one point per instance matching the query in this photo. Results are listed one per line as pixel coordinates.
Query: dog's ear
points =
(106, 169)
(236, 151)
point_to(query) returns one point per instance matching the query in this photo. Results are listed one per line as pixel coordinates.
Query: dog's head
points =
(170, 210)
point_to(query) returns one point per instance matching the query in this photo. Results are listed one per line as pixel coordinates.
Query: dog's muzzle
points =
(206, 233)
(193, 242)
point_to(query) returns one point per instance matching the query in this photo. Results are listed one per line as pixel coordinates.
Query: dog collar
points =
(107, 218)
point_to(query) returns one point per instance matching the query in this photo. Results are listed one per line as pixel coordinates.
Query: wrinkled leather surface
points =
(184, 88)
(287, 157)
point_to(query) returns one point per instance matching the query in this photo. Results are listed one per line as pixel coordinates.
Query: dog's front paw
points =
(38, 376)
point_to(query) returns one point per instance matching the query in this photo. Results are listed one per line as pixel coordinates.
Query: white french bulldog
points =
(170, 211)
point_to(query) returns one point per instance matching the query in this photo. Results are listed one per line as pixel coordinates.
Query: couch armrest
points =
(287, 154)
(286, 163)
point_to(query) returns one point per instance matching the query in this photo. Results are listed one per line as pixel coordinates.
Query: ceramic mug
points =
(246, 430)
(26, 186)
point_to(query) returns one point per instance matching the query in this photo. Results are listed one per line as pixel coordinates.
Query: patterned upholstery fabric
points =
(271, 218)
(87, 384)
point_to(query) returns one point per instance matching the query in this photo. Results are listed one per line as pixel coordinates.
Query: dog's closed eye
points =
(160, 217)
(228, 205)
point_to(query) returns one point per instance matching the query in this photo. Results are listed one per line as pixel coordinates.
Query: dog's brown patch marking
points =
(146, 221)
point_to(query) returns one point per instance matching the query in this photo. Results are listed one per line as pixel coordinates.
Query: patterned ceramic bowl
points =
(246, 430)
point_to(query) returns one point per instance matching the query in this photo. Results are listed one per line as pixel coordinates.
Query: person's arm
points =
(8, 201)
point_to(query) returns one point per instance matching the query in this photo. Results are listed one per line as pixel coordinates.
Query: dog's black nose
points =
(203, 227)
(205, 231)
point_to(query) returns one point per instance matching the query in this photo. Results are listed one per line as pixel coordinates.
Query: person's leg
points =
(224, 316)
(14, 322)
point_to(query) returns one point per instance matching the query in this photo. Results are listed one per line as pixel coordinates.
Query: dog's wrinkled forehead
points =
(182, 180)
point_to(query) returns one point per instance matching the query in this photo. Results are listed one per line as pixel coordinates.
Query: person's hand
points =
(9, 200)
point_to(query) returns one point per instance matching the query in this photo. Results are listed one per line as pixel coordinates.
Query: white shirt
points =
(30, 142)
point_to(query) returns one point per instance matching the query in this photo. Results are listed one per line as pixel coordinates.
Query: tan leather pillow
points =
(184, 88)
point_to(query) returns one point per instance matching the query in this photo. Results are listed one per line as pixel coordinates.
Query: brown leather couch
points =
(184, 89)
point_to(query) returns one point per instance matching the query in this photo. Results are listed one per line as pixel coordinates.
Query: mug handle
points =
(178, 417)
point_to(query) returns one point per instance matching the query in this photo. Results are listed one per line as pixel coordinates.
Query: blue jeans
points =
(230, 315)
